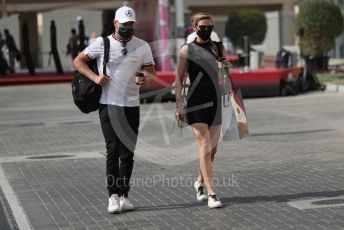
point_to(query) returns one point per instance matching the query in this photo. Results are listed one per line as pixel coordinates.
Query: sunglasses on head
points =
(124, 50)
(202, 27)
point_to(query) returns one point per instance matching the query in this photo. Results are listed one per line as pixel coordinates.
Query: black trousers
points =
(120, 129)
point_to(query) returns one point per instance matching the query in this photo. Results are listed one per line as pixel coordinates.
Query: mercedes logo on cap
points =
(129, 13)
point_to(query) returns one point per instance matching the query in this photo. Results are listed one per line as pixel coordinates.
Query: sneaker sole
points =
(204, 198)
(218, 206)
(114, 211)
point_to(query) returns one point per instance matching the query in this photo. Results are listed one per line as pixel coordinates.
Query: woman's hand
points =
(180, 113)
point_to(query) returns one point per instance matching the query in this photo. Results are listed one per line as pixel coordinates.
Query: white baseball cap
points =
(125, 14)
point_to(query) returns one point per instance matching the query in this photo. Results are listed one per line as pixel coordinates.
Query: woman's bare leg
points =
(203, 141)
(214, 132)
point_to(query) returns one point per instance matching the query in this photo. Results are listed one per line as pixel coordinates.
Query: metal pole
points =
(4, 9)
(179, 17)
(247, 52)
(180, 24)
(179, 13)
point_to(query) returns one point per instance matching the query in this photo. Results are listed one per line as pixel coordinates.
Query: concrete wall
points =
(65, 20)
(272, 41)
(339, 47)
(338, 50)
(287, 23)
(11, 23)
(220, 25)
(31, 19)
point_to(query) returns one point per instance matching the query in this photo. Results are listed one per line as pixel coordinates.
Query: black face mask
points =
(126, 32)
(204, 34)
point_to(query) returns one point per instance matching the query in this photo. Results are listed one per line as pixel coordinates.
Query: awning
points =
(16, 6)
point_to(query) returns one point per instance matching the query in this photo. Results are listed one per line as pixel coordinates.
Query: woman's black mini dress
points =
(204, 94)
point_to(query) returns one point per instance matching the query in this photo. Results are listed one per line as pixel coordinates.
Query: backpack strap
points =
(106, 53)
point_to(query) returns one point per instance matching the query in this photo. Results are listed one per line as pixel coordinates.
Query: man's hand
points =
(80, 63)
(142, 79)
(149, 76)
(146, 79)
(102, 80)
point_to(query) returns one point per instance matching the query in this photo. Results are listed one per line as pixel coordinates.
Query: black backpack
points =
(86, 93)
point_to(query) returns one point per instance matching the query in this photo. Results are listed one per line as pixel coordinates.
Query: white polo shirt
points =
(121, 89)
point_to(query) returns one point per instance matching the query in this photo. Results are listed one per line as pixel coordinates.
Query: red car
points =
(259, 82)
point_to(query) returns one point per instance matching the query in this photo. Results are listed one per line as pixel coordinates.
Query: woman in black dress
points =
(199, 60)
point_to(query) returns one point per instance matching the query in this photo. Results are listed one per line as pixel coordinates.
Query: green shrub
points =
(251, 23)
(322, 22)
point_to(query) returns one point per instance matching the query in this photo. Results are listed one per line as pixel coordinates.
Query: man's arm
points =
(80, 63)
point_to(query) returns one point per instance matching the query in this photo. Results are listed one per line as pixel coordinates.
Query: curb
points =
(39, 78)
(7, 221)
(334, 88)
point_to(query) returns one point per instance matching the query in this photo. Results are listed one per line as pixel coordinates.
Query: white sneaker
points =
(214, 202)
(114, 205)
(199, 189)
(125, 204)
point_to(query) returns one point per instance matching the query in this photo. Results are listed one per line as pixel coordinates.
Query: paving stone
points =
(294, 153)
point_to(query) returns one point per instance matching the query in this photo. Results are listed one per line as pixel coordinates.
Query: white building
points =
(338, 51)
(39, 13)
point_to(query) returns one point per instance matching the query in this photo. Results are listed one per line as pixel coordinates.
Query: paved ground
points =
(294, 154)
